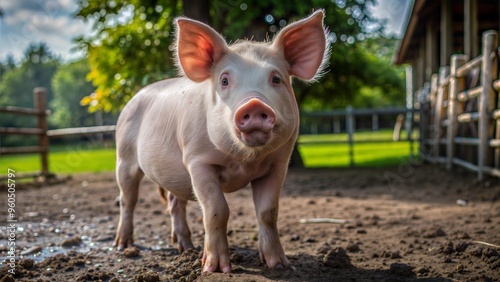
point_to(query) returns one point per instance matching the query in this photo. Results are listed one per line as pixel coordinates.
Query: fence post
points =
(425, 124)
(456, 85)
(336, 125)
(438, 114)
(375, 122)
(489, 72)
(40, 102)
(350, 133)
(410, 104)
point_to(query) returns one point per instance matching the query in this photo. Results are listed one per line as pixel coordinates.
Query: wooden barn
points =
(453, 82)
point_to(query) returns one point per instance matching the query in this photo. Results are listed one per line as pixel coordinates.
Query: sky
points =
(52, 21)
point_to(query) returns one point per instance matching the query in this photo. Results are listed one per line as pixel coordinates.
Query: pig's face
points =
(252, 91)
(252, 105)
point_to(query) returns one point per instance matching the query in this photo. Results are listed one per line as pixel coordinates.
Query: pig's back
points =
(154, 106)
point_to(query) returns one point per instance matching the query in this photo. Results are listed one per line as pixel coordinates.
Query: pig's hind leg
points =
(180, 229)
(128, 175)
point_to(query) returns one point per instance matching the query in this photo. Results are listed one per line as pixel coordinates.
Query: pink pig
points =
(230, 119)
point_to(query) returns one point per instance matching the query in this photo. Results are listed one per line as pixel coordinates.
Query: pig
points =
(230, 119)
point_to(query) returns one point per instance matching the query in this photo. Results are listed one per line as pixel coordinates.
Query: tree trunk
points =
(197, 10)
(296, 159)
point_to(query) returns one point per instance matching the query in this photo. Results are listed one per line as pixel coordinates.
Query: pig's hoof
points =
(184, 247)
(279, 266)
(123, 244)
(280, 262)
(183, 243)
(214, 265)
(210, 269)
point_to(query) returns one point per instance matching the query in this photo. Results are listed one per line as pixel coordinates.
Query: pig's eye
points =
(276, 79)
(224, 81)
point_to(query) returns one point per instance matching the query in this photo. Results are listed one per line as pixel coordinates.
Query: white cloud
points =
(49, 21)
(395, 12)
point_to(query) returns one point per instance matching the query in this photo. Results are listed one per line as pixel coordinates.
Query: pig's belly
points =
(176, 181)
(168, 173)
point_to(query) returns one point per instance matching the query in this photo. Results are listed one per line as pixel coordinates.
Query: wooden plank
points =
(495, 143)
(466, 68)
(489, 72)
(22, 150)
(468, 117)
(470, 28)
(456, 85)
(470, 94)
(492, 171)
(496, 114)
(438, 110)
(21, 131)
(496, 85)
(22, 111)
(434, 88)
(466, 141)
(465, 164)
(446, 32)
(431, 49)
(81, 130)
(420, 71)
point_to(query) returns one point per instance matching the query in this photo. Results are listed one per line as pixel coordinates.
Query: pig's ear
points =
(304, 46)
(199, 47)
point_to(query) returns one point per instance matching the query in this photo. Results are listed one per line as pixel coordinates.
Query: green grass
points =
(365, 155)
(315, 150)
(69, 159)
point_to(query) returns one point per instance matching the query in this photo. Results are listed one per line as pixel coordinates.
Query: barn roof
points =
(425, 11)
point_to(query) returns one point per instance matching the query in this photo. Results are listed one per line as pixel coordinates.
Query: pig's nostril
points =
(264, 116)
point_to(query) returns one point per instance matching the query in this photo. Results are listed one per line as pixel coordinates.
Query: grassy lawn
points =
(68, 159)
(316, 152)
(314, 149)
(365, 155)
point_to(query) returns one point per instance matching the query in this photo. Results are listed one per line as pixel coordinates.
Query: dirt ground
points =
(403, 224)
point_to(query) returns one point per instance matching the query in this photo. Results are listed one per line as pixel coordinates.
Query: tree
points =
(132, 47)
(36, 69)
(133, 44)
(69, 86)
(17, 84)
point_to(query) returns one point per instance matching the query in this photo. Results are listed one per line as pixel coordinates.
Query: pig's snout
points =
(255, 122)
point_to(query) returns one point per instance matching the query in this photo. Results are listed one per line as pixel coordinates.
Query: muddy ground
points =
(403, 224)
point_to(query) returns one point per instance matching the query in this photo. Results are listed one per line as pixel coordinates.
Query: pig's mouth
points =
(255, 138)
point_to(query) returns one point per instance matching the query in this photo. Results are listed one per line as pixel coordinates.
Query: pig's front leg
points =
(266, 192)
(205, 180)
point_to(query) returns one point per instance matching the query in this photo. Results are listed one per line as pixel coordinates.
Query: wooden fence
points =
(350, 116)
(41, 113)
(460, 115)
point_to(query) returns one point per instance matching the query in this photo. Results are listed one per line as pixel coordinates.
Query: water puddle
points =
(39, 240)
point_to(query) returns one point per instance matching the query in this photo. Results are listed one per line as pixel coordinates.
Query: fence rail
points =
(458, 114)
(349, 114)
